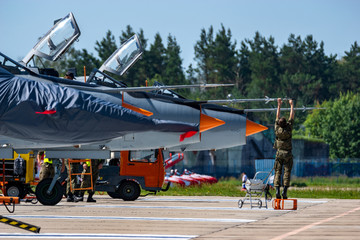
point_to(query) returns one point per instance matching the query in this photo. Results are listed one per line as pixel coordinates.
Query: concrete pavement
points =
(181, 218)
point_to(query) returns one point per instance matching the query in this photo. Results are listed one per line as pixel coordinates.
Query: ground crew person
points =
(69, 75)
(73, 169)
(96, 165)
(283, 145)
(47, 169)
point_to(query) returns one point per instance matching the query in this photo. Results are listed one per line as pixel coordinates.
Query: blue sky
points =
(334, 22)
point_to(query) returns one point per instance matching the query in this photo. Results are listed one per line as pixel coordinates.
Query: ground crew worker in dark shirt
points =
(283, 145)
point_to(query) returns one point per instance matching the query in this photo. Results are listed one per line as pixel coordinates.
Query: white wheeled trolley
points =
(257, 188)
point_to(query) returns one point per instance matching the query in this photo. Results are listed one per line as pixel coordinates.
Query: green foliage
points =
(106, 46)
(264, 66)
(225, 187)
(173, 73)
(338, 125)
(318, 187)
(334, 182)
(349, 71)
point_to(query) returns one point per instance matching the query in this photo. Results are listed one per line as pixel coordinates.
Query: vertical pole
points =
(3, 185)
(85, 74)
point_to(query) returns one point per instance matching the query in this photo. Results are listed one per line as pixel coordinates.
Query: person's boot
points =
(284, 193)
(70, 197)
(79, 198)
(278, 196)
(90, 199)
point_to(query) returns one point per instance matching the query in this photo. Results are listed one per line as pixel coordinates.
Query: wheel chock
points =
(22, 225)
(279, 204)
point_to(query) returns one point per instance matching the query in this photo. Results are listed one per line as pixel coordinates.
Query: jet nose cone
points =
(207, 122)
(252, 127)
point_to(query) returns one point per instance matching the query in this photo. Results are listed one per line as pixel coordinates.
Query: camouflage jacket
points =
(283, 136)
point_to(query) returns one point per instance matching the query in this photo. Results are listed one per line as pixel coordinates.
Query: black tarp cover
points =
(46, 112)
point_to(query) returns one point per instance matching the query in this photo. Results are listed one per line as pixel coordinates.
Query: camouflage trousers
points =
(47, 171)
(284, 159)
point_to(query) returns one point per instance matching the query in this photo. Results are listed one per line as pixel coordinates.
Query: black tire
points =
(129, 191)
(259, 203)
(240, 203)
(114, 194)
(15, 190)
(49, 199)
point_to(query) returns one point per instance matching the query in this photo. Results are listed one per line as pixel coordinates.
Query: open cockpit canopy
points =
(56, 41)
(123, 58)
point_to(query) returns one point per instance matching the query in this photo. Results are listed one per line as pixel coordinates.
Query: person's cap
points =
(70, 74)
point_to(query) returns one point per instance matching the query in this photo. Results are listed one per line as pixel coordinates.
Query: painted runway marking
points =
(160, 207)
(96, 236)
(228, 220)
(313, 224)
(176, 207)
(212, 200)
(314, 201)
(186, 200)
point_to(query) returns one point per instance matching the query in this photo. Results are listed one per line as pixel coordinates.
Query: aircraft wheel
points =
(49, 199)
(259, 203)
(240, 203)
(114, 194)
(15, 190)
(129, 190)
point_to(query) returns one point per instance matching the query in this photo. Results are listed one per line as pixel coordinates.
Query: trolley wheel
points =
(240, 203)
(129, 190)
(15, 190)
(49, 199)
(114, 194)
(259, 203)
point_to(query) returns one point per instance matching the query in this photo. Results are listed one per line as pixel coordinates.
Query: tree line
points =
(299, 69)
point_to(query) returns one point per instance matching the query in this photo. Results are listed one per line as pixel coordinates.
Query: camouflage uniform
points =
(284, 156)
(86, 179)
(47, 169)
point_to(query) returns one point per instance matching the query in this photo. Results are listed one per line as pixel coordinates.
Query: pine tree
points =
(173, 72)
(156, 57)
(204, 55)
(106, 46)
(350, 70)
(264, 66)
